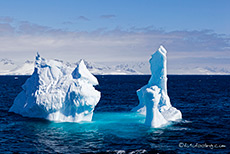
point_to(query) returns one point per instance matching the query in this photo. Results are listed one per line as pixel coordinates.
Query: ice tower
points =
(161, 109)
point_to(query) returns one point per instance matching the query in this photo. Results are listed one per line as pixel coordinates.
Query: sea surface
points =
(205, 128)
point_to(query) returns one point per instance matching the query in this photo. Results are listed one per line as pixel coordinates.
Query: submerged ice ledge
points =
(153, 98)
(55, 92)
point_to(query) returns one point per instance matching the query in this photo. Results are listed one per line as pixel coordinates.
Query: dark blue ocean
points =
(203, 100)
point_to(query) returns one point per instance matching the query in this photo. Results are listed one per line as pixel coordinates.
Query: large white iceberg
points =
(153, 98)
(58, 93)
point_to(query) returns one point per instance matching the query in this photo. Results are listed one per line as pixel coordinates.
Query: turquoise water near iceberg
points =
(203, 100)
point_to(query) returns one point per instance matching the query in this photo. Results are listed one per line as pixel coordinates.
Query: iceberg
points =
(56, 92)
(154, 101)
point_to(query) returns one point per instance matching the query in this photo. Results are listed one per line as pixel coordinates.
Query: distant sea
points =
(203, 100)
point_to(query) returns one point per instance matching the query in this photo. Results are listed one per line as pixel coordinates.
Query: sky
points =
(195, 32)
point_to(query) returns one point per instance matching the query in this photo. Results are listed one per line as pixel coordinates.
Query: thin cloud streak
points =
(6, 19)
(108, 16)
(83, 18)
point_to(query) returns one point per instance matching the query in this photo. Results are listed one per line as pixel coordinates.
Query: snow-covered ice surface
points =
(57, 93)
(153, 97)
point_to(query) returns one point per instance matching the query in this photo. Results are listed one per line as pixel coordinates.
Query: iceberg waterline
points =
(55, 92)
(153, 98)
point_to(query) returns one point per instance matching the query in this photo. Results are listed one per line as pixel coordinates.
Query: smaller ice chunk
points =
(152, 98)
(172, 114)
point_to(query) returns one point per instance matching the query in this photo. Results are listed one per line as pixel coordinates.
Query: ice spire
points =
(158, 66)
(81, 71)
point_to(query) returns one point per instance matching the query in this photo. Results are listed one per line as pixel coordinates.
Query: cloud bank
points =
(21, 40)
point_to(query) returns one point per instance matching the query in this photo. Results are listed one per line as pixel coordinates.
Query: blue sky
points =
(167, 14)
(116, 30)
